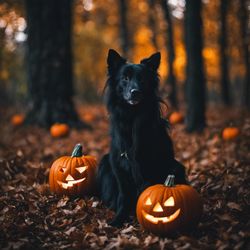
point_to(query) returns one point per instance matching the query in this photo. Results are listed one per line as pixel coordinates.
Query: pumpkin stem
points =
(169, 181)
(77, 151)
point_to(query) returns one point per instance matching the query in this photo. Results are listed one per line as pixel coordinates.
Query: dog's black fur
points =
(141, 152)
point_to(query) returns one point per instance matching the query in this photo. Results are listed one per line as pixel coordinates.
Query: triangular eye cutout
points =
(148, 202)
(63, 169)
(82, 169)
(169, 202)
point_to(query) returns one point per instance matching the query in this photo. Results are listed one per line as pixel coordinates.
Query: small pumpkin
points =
(73, 175)
(176, 117)
(17, 120)
(165, 209)
(59, 130)
(230, 133)
(88, 117)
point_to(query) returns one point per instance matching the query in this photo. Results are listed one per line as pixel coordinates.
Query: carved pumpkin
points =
(73, 175)
(59, 130)
(230, 133)
(176, 117)
(17, 119)
(165, 209)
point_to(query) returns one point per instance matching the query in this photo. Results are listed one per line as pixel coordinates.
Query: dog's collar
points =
(124, 154)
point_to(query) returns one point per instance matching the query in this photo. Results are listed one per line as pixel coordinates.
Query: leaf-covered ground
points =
(32, 217)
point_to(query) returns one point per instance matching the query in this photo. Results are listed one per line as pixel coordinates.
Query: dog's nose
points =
(135, 93)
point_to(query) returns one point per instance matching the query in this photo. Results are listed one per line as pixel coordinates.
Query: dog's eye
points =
(125, 78)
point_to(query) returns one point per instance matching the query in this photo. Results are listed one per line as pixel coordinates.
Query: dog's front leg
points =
(123, 200)
(122, 211)
(136, 172)
(138, 178)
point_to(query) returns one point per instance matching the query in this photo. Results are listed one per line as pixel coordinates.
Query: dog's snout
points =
(135, 93)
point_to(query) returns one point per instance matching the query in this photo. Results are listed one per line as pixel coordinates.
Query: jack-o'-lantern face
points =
(160, 212)
(73, 175)
(70, 181)
(165, 209)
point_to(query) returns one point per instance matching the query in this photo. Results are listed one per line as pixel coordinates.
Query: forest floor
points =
(31, 217)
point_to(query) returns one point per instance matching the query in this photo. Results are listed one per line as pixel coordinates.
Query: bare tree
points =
(195, 82)
(3, 96)
(152, 22)
(124, 36)
(50, 62)
(224, 4)
(245, 33)
(171, 54)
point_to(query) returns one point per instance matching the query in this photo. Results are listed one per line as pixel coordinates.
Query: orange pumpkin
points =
(165, 209)
(73, 175)
(59, 130)
(230, 133)
(88, 117)
(176, 117)
(17, 119)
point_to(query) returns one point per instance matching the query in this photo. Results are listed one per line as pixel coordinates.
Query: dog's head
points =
(133, 83)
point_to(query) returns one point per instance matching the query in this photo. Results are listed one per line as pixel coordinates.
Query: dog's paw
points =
(112, 206)
(116, 222)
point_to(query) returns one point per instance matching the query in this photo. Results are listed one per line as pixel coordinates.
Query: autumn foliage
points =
(37, 208)
(219, 171)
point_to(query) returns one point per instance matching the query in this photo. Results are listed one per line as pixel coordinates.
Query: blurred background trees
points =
(245, 39)
(124, 34)
(224, 6)
(138, 28)
(49, 61)
(195, 79)
(171, 79)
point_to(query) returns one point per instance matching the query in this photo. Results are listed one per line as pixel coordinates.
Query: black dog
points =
(141, 151)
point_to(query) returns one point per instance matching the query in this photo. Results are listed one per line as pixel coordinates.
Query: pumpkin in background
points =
(88, 117)
(176, 117)
(59, 130)
(230, 133)
(166, 209)
(73, 175)
(17, 119)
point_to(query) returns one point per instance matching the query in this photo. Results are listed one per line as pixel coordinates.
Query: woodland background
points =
(53, 69)
(96, 27)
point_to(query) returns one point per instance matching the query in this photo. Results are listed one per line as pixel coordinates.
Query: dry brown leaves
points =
(32, 217)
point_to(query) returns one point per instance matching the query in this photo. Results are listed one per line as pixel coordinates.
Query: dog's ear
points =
(114, 60)
(153, 61)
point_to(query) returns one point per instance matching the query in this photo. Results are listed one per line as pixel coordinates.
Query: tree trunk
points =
(152, 23)
(223, 53)
(195, 82)
(3, 94)
(124, 36)
(2, 32)
(246, 41)
(50, 63)
(171, 55)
